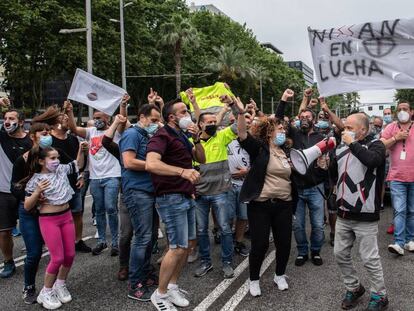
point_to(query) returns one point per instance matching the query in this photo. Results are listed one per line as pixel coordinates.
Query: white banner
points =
(370, 56)
(95, 92)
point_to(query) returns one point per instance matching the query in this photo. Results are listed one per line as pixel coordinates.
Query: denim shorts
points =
(240, 209)
(75, 203)
(177, 212)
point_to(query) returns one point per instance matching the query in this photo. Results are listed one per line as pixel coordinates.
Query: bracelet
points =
(241, 112)
(196, 142)
(181, 174)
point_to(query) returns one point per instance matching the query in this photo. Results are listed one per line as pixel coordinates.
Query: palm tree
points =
(229, 63)
(177, 34)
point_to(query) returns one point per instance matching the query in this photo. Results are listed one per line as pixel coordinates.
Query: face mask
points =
(99, 124)
(403, 116)
(52, 165)
(322, 124)
(211, 129)
(387, 119)
(45, 141)
(297, 123)
(280, 139)
(11, 128)
(151, 129)
(184, 123)
(352, 134)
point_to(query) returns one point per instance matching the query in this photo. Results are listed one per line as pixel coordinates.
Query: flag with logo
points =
(95, 92)
(368, 56)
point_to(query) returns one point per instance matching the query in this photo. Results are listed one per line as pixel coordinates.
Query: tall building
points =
(306, 70)
(206, 7)
(271, 48)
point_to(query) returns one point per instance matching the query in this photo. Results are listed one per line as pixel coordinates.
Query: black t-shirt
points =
(70, 148)
(10, 149)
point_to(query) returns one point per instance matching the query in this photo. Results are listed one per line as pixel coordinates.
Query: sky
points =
(284, 23)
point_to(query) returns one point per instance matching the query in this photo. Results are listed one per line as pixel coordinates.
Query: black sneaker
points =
(241, 249)
(114, 251)
(351, 298)
(377, 302)
(81, 247)
(203, 269)
(99, 248)
(140, 293)
(316, 259)
(216, 235)
(300, 260)
(29, 295)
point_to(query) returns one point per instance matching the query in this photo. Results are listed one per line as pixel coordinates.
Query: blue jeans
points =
(402, 196)
(312, 198)
(140, 205)
(29, 227)
(75, 203)
(177, 213)
(105, 195)
(224, 214)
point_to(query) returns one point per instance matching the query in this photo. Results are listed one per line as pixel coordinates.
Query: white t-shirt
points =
(102, 164)
(238, 158)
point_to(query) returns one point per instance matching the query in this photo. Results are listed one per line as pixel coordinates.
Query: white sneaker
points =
(280, 281)
(177, 297)
(395, 249)
(160, 234)
(193, 256)
(254, 288)
(162, 302)
(48, 299)
(62, 293)
(96, 235)
(409, 246)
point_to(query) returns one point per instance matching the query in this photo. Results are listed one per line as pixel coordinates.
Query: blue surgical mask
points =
(387, 119)
(280, 139)
(45, 141)
(151, 129)
(297, 123)
(322, 124)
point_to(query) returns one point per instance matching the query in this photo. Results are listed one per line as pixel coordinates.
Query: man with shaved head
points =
(359, 162)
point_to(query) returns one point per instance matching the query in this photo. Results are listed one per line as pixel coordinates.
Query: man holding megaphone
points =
(309, 179)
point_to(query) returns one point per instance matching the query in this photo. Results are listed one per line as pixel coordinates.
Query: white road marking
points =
(209, 300)
(19, 261)
(234, 301)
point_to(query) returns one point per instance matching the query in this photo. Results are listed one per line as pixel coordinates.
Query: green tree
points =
(177, 34)
(405, 95)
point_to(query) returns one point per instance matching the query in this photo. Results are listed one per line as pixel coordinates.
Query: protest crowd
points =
(180, 171)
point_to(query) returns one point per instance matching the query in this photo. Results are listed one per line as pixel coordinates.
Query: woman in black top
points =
(268, 192)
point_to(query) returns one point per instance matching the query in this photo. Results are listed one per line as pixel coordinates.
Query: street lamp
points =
(122, 6)
(88, 31)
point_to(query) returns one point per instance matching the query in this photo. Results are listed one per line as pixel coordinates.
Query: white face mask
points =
(185, 122)
(403, 116)
(352, 134)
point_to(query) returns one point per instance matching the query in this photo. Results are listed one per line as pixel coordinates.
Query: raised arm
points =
(241, 121)
(123, 111)
(193, 100)
(280, 110)
(307, 94)
(77, 130)
(332, 116)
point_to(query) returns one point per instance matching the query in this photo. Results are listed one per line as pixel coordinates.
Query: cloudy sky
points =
(284, 22)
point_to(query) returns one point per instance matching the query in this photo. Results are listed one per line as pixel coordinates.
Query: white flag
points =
(95, 92)
(370, 56)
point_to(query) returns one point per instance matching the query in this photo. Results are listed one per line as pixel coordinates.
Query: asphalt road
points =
(94, 285)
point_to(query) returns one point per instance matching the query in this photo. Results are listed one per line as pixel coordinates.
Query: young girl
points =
(49, 188)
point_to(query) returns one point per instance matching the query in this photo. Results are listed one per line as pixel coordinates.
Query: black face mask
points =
(211, 129)
(306, 125)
